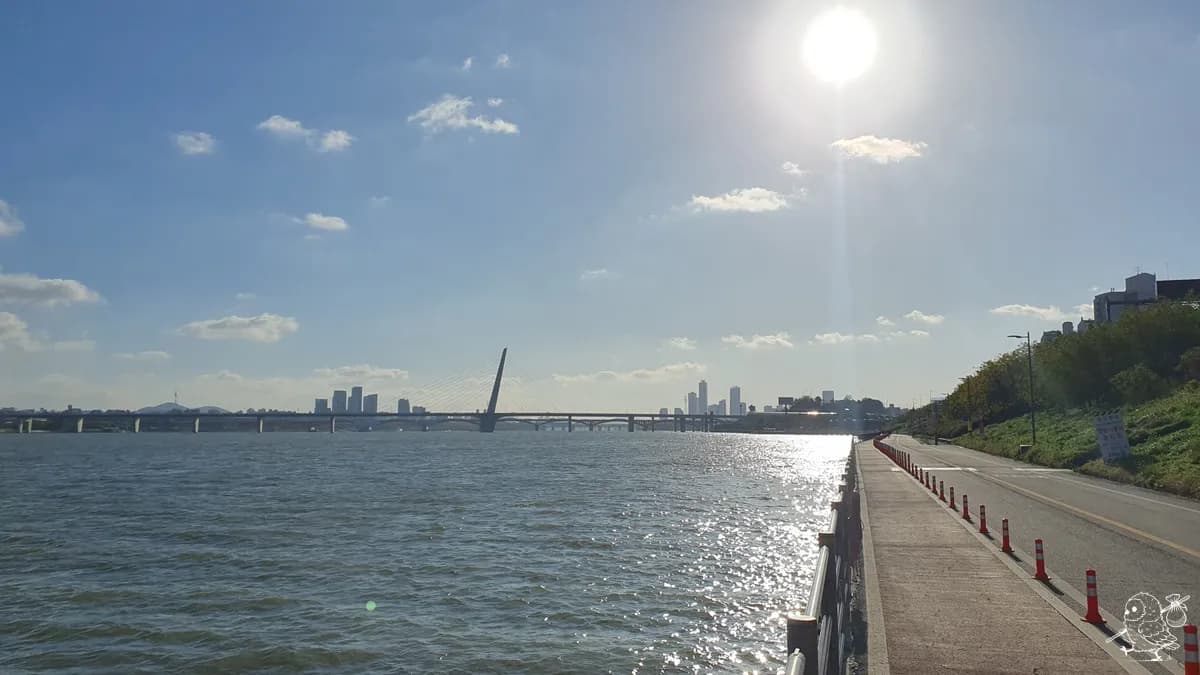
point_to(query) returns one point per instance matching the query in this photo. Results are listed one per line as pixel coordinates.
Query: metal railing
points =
(821, 633)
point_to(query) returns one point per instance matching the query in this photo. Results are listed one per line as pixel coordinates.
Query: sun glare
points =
(839, 45)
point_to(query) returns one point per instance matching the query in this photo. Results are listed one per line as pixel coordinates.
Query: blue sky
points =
(255, 203)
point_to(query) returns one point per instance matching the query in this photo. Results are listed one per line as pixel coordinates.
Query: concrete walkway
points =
(939, 601)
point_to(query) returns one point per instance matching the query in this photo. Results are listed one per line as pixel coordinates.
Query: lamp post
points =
(970, 405)
(1029, 357)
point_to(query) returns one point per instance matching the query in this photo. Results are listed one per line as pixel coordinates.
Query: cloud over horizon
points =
(265, 328)
(744, 200)
(669, 372)
(449, 113)
(1050, 313)
(31, 289)
(755, 342)
(880, 150)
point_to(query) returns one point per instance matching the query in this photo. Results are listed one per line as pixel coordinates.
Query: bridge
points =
(485, 421)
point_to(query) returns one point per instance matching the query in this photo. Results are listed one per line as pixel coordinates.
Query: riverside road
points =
(1135, 539)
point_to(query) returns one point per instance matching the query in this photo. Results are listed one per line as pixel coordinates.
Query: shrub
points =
(1138, 384)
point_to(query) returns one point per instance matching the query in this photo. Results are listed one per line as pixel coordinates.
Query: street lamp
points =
(1029, 356)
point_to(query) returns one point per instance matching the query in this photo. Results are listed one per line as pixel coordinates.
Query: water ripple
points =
(515, 552)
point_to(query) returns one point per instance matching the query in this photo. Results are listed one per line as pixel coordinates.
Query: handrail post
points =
(802, 633)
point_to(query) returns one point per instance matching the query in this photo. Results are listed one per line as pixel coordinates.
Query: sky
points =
(251, 204)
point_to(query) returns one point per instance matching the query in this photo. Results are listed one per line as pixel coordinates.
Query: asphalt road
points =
(1135, 539)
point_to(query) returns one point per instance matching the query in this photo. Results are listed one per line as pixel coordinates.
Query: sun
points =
(839, 45)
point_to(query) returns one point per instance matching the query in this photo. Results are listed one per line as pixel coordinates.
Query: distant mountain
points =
(168, 408)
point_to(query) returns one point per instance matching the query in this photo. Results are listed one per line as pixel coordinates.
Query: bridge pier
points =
(79, 425)
(537, 427)
(25, 426)
(631, 423)
(195, 425)
(571, 423)
(332, 424)
(260, 425)
(137, 425)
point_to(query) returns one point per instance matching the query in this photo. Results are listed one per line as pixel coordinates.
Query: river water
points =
(407, 552)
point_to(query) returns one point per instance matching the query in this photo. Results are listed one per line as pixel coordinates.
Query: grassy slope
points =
(1164, 437)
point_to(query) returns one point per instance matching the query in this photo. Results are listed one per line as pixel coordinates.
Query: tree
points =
(1189, 364)
(1138, 384)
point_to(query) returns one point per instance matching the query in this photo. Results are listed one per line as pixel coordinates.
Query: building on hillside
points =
(1051, 335)
(1068, 328)
(1141, 289)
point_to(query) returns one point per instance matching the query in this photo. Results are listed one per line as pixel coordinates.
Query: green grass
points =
(1164, 439)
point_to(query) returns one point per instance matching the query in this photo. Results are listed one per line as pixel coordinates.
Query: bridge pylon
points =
(487, 422)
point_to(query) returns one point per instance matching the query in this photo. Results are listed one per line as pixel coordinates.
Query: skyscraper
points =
(321, 407)
(721, 409)
(402, 406)
(702, 390)
(355, 400)
(693, 404)
(371, 404)
(339, 401)
(735, 400)
(827, 396)
(742, 409)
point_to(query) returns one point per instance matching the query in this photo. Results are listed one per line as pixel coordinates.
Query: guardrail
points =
(820, 635)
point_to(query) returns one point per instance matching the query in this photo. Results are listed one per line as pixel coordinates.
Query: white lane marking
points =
(1088, 484)
(1043, 470)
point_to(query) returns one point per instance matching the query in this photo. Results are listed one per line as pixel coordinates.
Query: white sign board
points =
(1110, 433)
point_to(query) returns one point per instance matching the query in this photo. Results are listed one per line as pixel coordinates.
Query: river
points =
(407, 552)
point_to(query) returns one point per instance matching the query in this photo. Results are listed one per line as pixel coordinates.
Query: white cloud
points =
(918, 333)
(681, 343)
(282, 127)
(842, 338)
(755, 342)
(918, 315)
(503, 61)
(745, 200)
(673, 371)
(265, 328)
(152, 355)
(319, 221)
(596, 274)
(33, 290)
(1085, 310)
(10, 224)
(884, 321)
(793, 169)
(495, 102)
(334, 140)
(14, 333)
(881, 150)
(450, 113)
(467, 63)
(194, 142)
(361, 373)
(1051, 313)
(380, 200)
(242, 297)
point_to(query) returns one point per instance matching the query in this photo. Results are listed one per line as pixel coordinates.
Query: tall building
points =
(371, 404)
(339, 401)
(702, 390)
(827, 396)
(713, 409)
(679, 411)
(742, 409)
(721, 409)
(321, 407)
(735, 401)
(418, 410)
(693, 404)
(402, 406)
(355, 400)
(663, 412)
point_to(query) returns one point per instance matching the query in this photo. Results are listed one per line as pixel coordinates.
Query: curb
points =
(877, 656)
